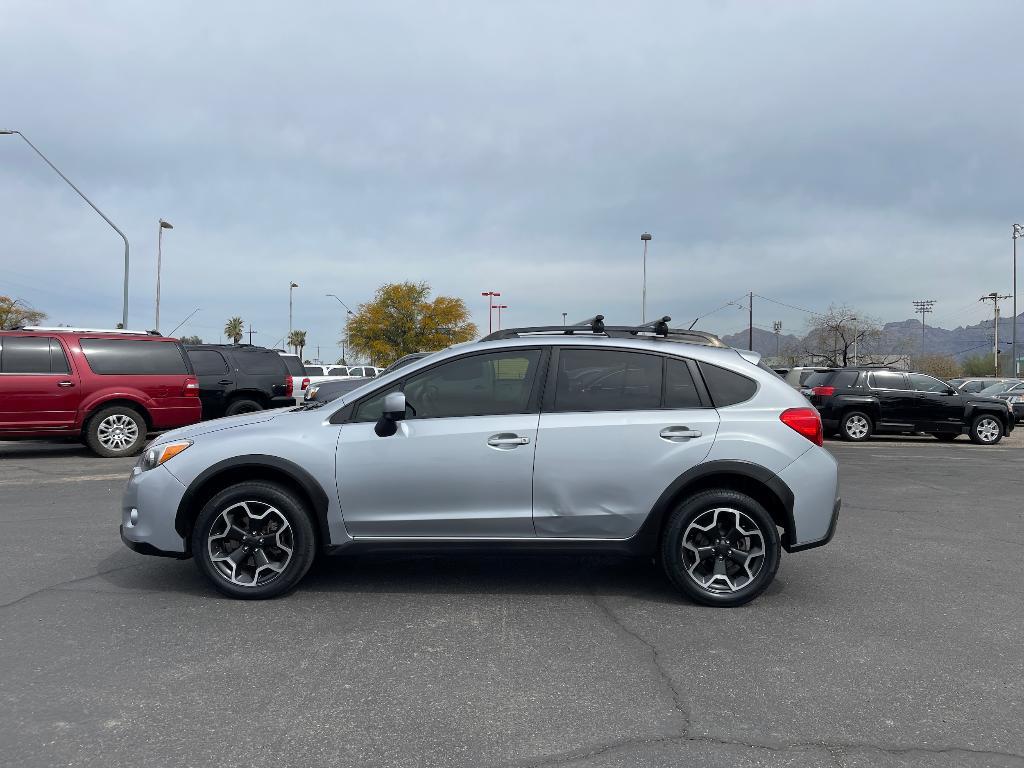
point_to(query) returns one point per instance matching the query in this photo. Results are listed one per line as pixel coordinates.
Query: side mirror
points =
(951, 391)
(394, 412)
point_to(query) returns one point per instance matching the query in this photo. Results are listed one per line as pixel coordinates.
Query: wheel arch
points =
(756, 481)
(252, 467)
(125, 402)
(248, 394)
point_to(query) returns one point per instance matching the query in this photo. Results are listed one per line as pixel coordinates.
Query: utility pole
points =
(251, 332)
(750, 332)
(777, 329)
(646, 238)
(1018, 232)
(995, 298)
(923, 307)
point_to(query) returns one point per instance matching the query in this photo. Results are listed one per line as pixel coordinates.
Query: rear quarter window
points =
(726, 387)
(133, 357)
(817, 379)
(260, 363)
(294, 366)
(207, 362)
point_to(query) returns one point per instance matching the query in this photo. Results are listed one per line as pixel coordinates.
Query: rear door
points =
(617, 427)
(897, 402)
(38, 390)
(216, 379)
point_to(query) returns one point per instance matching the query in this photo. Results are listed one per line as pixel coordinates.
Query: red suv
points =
(108, 388)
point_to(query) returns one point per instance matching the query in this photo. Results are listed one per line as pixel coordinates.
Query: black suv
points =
(239, 378)
(858, 402)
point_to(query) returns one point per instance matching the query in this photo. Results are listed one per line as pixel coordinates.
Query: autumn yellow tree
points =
(402, 318)
(15, 313)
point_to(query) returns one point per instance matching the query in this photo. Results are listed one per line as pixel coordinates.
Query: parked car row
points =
(111, 388)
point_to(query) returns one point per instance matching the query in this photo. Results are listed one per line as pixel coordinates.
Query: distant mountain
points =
(764, 341)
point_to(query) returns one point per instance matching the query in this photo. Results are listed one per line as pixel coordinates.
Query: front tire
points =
(254, 540)
(721, 548)
(986, 430)
(855, 427)
(116, 431)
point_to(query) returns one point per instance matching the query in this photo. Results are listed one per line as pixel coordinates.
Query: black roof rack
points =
(595, 326)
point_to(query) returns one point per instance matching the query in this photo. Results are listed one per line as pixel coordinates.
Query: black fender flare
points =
(647, 537)
(239, 467)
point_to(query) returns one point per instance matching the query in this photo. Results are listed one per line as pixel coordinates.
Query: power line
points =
(791, 306)
(923, 306)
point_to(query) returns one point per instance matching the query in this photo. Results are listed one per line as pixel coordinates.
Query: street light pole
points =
(344, 331)
(159, 252)
(1018, 232)
(490, 307)
(500, 307)
(563, 318)
(291, 285)
(645, 238)
(124, 303)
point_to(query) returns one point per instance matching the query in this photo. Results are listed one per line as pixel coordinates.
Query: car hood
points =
(216, 425)
(987, 399)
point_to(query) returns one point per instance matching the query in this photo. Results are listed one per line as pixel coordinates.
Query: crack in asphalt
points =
(57, 587)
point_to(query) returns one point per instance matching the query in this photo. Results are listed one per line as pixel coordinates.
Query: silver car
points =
(652, 442)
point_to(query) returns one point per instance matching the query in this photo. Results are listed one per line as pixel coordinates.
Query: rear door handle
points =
(225, 382)
(65, 383)
(507, 440)
(678, 434)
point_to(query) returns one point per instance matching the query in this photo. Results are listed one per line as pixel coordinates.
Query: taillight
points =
(191, 388)
(305, 383)
(288, 386)
(823, 391)
(806, 421)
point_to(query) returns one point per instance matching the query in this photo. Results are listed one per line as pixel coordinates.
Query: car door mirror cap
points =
(394, 406)
(950, 391)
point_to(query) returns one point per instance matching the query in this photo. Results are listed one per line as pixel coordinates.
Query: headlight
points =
(1015, 399)
(157, 455)
(311, 392)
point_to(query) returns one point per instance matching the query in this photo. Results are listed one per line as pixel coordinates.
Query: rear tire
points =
(986, 430)
(720, 548)
(855, 426)
(243, 405)
(116, 431)
(254, 540)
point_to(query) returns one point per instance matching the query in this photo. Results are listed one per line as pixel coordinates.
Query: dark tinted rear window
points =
(260, 362)
(816, 379)
(727, 387)
(32, 354)
(607, 380)
(207, 362)
(294, 366)
(132, 357)
(680, 391)
(887, 380)
(845, 379)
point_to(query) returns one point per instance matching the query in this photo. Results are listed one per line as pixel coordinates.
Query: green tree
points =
(978, 365)
(191, 340)
(15, 313)
(297, 341)
(234, 328)
(401, 319)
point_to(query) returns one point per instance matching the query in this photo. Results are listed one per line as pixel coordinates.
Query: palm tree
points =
(234, 329)
(297, 340)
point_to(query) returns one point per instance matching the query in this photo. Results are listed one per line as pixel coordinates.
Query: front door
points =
(460, 464)
(937, 410)
(37, 387)
(612, 439)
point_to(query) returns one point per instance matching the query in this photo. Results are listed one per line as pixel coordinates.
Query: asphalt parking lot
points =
(898, 644)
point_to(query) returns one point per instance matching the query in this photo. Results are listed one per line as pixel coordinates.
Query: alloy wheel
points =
(988, 429)
(250, 543)
(857, 427)
(117, 432)
(723, 550)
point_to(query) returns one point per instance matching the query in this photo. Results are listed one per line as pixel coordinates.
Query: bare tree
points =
(835, 337)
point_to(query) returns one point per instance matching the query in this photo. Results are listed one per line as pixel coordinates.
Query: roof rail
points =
(69, 329)
(595, 326)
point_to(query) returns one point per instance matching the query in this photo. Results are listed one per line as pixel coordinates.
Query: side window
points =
(260, 363)
(923, 383)
(294, 365)
(338, 372)
(726, 387)
(845, 379)
(207, 362)
(680, 391)
(887, 380)
(58, 359)
(129, 357)
(26, 354)
(372, 407)
(607, 380)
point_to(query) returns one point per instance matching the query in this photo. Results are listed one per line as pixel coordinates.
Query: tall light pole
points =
(777, 329)
(1018, 232)
(923, 307)
(291, 286)
(490, 307)
(564, 314)
(124, 303)
(645, 238)
(159, 252)
(500, 307)
(344, 331)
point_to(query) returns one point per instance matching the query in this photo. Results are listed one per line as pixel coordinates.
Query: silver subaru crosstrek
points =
(642, 440)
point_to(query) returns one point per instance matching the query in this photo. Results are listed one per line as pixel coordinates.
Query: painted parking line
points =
(59, 480)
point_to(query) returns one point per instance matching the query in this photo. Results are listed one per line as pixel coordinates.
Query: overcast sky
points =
(810, 152)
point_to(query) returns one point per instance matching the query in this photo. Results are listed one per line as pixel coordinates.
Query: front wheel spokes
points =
(250, 541)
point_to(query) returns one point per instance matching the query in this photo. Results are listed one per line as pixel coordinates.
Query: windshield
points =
(996, 389)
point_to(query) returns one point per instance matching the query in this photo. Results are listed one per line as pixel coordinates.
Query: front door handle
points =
(678, 434)
(65, 383)
(506, 440)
